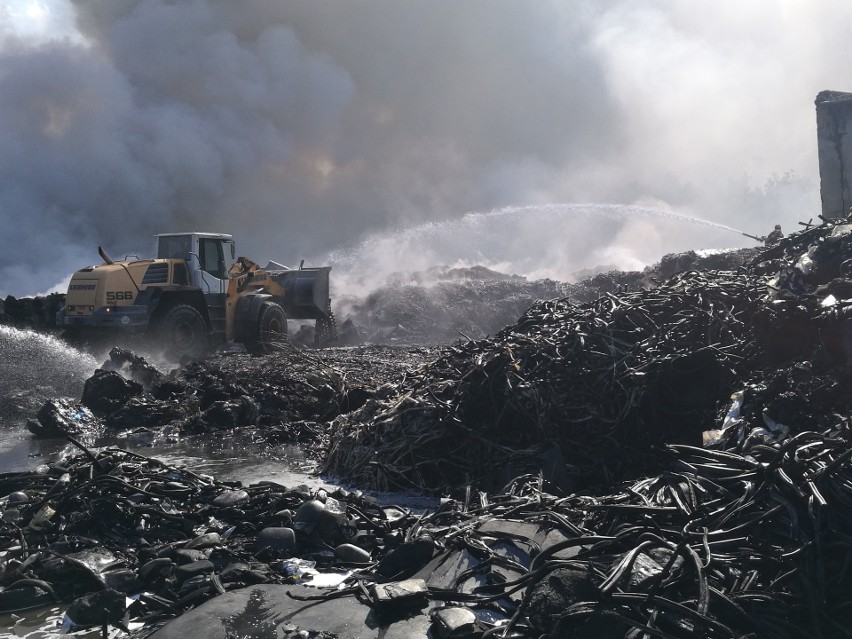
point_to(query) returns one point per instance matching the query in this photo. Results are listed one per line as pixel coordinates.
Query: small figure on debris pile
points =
(774, 237)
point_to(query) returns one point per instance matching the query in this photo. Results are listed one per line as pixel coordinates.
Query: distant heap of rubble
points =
(443, 305)
(35, 313)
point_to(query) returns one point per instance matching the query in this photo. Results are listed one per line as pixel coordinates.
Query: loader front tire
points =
(271, 329)
(182, 332)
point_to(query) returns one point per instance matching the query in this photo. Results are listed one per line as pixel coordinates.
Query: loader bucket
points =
(305, 292)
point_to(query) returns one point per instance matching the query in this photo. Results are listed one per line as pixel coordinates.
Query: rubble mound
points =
(598, 388)
(284, 397)
(443, 304)
(459, 304)
(624, 373)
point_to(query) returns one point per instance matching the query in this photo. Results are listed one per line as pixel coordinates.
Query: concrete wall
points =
(834, 144)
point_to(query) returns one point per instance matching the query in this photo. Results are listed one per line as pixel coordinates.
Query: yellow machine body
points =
(196, 294)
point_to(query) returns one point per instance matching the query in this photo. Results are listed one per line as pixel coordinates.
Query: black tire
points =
(182, 332)
(271, 329)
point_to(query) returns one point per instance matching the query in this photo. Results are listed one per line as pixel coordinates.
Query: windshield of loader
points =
(212, 256)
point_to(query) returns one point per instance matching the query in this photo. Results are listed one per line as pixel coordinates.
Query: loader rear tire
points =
(182, 332)
(271, 329)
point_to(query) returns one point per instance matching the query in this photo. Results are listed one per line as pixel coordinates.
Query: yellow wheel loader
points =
(196, 295)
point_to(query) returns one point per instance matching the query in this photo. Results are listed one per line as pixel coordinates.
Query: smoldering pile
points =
(756, 363)
(594, 388)
(442, 304)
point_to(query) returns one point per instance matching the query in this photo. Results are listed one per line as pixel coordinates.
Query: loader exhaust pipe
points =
(104, 256)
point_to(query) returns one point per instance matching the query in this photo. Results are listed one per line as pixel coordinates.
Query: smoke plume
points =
(304, 128)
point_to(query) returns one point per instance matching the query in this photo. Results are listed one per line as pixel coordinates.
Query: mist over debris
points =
(309, 129)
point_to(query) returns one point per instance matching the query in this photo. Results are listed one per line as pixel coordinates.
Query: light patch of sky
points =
(37, 20)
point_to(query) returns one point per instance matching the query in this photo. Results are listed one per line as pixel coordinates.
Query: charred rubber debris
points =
(682, 459)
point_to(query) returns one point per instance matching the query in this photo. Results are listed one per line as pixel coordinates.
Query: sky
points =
(541, 138)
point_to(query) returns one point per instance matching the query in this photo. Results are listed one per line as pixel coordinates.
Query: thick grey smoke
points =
(304, 127)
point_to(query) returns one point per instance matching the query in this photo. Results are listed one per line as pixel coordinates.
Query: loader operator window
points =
(176, 247)
(212, 258)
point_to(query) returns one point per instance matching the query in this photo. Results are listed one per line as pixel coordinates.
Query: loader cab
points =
(208, 257)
